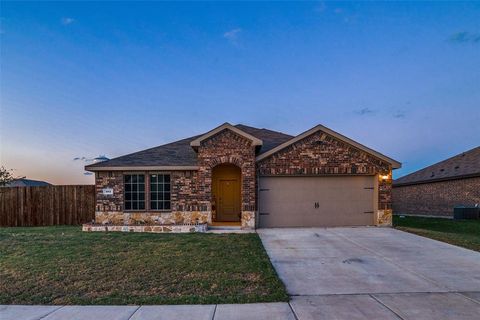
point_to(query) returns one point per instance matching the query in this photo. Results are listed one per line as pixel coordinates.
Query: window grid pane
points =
(134, 194)
(160, 192)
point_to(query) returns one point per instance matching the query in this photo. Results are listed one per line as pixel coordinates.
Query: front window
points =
(134, 186)
(159, 192)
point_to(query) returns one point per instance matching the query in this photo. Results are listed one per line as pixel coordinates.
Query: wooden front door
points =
(226, 192)
(228, 200)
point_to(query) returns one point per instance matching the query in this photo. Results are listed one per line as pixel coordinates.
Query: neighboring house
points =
(437, 189)
(27, 183)
(249, 176)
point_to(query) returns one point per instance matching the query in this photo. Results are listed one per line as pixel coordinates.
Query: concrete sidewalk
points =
(280, 311)
(405, 306)
(341, 273)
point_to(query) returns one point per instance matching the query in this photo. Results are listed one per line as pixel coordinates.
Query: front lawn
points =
(463, 233)
(63, 265)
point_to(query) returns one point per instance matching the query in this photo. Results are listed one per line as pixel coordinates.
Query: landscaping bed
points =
(463, 233)
(63, 265)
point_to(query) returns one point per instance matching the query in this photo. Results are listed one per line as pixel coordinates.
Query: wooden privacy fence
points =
(46, 206)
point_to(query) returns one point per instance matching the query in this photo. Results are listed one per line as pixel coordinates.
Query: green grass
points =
(63, 265)
(463, 233)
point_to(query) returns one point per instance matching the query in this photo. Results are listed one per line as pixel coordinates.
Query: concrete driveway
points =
(374, 273)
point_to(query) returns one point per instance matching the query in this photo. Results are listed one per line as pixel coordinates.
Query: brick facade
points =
(191, 191)
(436, 198)
(113, 180)
(185, 205)
(323, 154)
(227, 147)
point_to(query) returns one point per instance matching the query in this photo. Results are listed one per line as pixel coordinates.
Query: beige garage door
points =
(316, 201)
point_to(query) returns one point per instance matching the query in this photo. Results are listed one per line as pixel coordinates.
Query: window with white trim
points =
(134, 191)
(159, 192)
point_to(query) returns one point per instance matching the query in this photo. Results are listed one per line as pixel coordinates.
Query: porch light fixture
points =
(384, 177)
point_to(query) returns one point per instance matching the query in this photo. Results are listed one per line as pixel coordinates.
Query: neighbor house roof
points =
(180, 154)
(27, 183)
(463, 165)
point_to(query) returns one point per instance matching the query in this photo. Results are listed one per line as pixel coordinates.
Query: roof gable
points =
(226, 126)
(465, 164)
(395, 164)
(179, 155)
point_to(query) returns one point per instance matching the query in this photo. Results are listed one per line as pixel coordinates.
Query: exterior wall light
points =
(384, 177)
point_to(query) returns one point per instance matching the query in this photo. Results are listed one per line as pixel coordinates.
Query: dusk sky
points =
(89, 79)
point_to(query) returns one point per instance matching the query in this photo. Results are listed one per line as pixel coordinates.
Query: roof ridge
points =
(395, 164)
(227, 126)
(435, 166)
(181, 153)
(184, 139)
(263, 129)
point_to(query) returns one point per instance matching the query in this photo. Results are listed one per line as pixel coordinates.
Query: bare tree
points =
(6, 176)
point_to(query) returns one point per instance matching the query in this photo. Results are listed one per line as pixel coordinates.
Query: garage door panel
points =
(316, 201)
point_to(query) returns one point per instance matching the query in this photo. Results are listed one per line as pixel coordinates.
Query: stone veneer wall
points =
(385, 212)
(185, 206)
(180, 228)
(317, 154)
(323, 154)
(228, 147)
(190, 190)
(436, 198)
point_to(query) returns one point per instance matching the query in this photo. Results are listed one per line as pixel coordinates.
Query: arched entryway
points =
(226, 193)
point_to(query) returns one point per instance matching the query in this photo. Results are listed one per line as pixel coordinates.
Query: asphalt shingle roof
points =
(270, 138)
(27, 183)
(180, 153)
(462, 165)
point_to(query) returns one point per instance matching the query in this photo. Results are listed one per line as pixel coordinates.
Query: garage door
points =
(316, 201)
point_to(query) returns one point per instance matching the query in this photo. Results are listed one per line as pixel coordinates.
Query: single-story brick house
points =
(248, 176)
(437, 189)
